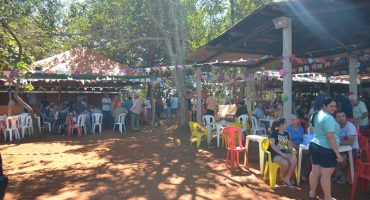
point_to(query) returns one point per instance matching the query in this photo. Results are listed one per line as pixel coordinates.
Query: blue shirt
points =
(128, 104)
(318, 101)
(297, 136)
(259, 112)
(174, 102)
(346, 105)
(323, 123)
(47, 112)
(96, 111)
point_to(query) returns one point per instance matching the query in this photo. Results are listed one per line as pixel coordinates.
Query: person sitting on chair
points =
(119, 111)
(61, 119)
(348, 136)
(96, 110)
(242, 110)
(47, 115)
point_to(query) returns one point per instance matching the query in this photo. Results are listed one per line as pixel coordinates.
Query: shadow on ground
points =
(153, 164)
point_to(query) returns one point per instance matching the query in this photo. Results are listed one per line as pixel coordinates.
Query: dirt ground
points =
(152, 164)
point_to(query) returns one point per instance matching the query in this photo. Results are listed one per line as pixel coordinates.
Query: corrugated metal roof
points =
(320, 28)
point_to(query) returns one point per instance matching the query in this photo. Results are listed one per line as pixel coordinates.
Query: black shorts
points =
(322, 156)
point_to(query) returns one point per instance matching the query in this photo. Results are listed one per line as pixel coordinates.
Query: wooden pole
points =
(287, 65)
(249, 96)
(353, 76)
(199, 95)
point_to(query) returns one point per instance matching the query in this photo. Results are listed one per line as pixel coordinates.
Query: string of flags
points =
(312, 65)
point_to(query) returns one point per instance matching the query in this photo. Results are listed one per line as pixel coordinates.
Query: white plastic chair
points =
(46, 125)
(256, 127)
(97, 120)
(121, 122)
(23, 117)
(207, 120)
(27, 127)
(81, 121)
(243, 119)
(14, 126)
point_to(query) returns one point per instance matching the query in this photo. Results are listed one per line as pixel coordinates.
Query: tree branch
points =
(19, 57)
(143, 39)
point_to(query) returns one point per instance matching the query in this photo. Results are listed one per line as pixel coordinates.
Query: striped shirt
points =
(358, 110)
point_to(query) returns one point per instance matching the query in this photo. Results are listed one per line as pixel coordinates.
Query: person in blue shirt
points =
(296, 134)
(128, 105)
(174, 105)
(319, 99)
(324, 147)
(343, 103)
(47, 114)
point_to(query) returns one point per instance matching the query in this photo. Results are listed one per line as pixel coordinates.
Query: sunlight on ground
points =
(130, 166)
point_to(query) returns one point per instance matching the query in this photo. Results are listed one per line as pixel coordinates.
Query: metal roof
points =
(320, 28)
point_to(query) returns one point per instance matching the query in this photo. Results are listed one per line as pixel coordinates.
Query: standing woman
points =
(324, 148)
(279, 148)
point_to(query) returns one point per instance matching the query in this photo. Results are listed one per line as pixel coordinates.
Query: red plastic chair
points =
(231, 148)
(364, 148)
(305, 125)
(71, 126)
(350, 120)
(363, 173)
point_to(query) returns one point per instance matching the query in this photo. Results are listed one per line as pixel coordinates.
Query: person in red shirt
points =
(117, 101)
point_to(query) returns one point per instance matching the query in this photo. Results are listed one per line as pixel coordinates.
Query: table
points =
(340, 148)
(256, 138)
(269, 120)
(218, 124)
(230, 116)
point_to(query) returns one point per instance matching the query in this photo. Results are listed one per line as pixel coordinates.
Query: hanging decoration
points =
(284, 97)
(282, 72)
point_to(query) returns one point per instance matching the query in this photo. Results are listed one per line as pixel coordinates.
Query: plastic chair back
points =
(243, 119)
(305, 124)
(193, 128)
(12, 122)
(70, 120)
(121, 118)
(81, 120)
(207, 119)
(23, 118)
(230, 131)
(350, 120)
(254, 122)
(97, 118)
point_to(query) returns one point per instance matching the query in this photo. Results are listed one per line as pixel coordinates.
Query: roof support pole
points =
(199, 95)
(286, 25)
(353, 76)
(249, 95)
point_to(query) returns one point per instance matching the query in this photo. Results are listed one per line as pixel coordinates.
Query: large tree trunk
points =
(24, 105)
(16, 90)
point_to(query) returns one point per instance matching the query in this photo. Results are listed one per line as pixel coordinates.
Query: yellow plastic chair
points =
(272, 167)
(194, 128)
